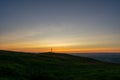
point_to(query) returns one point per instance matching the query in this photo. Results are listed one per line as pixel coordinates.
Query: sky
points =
(64, 25)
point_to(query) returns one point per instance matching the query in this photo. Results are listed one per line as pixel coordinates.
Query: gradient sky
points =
(64, 25)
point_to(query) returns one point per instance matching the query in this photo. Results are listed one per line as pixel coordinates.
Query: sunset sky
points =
(64, 25)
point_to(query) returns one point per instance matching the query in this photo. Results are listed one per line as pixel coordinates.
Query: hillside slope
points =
(51, 66)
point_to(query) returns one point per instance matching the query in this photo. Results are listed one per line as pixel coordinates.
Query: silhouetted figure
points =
(51, 51)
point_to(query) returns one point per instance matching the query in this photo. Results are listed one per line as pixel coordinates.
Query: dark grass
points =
(53, 66)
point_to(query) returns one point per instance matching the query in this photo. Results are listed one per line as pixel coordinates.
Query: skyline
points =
(64, 25)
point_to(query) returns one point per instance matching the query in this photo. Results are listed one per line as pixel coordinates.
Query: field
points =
(54, 66)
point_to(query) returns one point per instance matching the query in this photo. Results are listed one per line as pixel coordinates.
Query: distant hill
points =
(106, 57)
(54, 66)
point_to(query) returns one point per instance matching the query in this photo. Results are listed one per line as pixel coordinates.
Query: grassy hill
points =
(51, 66)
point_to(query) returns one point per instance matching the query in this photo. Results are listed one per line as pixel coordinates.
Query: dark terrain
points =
(54, 66)
(106, 57)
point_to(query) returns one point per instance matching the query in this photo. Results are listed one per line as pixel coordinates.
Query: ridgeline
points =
(54, 66)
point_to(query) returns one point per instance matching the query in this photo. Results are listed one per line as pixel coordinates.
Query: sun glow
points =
(37, 27)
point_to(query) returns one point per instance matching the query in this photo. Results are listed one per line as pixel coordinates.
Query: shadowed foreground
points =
(50, 66)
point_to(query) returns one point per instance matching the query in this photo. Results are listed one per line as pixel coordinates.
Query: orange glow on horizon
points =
(66, 50)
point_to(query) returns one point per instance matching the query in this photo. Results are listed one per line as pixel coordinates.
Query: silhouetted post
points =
(51, 50)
